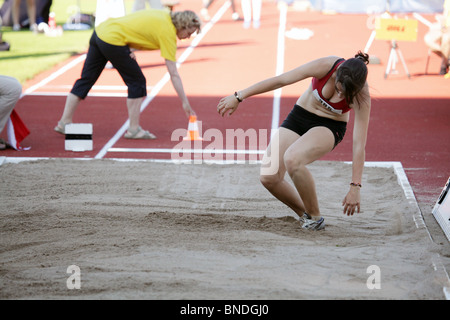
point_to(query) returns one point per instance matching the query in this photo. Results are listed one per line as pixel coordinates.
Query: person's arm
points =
(316, 68)
(352, 200)
(178, 86)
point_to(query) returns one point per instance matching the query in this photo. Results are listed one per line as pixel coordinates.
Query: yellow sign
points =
(396, 29)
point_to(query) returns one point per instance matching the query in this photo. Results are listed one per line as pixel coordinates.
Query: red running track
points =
(409, 121)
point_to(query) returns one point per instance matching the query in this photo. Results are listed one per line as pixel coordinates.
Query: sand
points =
(150, 230)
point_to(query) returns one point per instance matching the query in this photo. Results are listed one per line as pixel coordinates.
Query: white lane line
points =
(94, 88)
(279, 67)
(96, 91)
(56, 74)
(186, 151)
(165, 78)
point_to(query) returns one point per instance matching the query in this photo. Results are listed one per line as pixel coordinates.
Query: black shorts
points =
(300, 121)
(98, 55)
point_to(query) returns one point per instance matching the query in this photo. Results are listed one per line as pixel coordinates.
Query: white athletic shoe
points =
(310, 224)
(303, 218)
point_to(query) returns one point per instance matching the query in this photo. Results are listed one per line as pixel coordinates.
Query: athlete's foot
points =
(312, 223)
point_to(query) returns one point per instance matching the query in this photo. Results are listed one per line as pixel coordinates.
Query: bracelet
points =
(237, 97)
(355, 184)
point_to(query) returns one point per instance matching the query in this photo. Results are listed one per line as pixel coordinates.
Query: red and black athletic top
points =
(317, 86)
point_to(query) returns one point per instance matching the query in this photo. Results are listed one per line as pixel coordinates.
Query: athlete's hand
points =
(188, 109)
(352, 201)
(228, 105)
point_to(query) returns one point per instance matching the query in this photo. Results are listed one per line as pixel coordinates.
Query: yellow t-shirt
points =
(142, 30)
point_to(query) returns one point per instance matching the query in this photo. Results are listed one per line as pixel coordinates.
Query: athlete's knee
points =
(270, 181)
(293, 162)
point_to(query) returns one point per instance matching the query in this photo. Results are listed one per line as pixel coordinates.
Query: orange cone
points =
(193, 133)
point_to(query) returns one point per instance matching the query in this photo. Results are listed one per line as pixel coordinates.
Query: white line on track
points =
(95, 87)
(96, 91)
(56, 74)
(91, 94)
(187, 151)
(279, 67)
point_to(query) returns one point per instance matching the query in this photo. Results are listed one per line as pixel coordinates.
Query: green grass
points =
(31, 54)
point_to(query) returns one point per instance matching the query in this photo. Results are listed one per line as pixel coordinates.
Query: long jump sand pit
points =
(149, 230)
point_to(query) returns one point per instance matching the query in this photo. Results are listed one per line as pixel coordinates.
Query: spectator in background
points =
(10, 91)
(207, 3)
(251, 10)
(31, 10)
(114, 40)
(438, 38)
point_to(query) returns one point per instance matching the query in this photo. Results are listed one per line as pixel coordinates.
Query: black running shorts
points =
(300, 121)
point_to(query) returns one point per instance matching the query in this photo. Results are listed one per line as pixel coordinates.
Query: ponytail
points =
(363, 56)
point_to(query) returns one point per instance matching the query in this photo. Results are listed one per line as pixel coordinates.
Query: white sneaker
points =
(16, 27)
(303, 218)
(311, 224)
